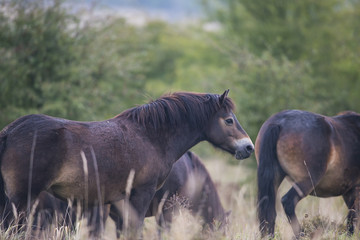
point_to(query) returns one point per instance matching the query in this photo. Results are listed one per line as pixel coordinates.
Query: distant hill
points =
(171, 10)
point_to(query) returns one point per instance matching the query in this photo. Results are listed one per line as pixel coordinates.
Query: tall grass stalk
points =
(86, 180)
(31, 171)
(97, 178)
(126, 207)
(30, 220)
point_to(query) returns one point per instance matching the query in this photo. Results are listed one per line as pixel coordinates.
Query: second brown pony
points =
(320, 156)
(189, 181)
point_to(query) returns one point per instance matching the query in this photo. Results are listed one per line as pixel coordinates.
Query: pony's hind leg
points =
(350, 199)
(15, 211)
(20, 200)
(291, 199)
(305, 160)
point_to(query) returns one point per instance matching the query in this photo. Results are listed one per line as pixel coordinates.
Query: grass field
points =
(236, 184)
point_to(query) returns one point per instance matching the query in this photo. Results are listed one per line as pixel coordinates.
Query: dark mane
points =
(173, 109)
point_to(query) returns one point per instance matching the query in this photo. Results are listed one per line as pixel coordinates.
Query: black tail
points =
(268, 169)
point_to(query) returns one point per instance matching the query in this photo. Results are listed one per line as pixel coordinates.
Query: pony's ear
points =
(223, 96)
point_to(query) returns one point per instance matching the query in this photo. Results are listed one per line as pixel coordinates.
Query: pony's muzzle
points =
(244, 148)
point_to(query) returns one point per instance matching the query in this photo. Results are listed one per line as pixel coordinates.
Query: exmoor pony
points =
(319, 155)
(90, 162)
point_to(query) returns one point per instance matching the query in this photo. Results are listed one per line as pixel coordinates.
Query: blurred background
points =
(90, 60)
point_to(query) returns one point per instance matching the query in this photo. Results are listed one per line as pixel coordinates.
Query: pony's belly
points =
(82, 193)
(329, 187)
(336, 183)
(338, 179)
(68, 192)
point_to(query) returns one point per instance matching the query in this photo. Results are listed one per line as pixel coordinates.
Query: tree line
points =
(272, 55)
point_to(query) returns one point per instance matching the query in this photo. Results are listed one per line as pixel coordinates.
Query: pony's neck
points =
(181, 140)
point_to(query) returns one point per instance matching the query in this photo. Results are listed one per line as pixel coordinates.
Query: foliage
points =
(272, 56)
(266, 85)
(36, 46)
(321, 34)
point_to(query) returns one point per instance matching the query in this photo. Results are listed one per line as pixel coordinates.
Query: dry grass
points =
(236, 184)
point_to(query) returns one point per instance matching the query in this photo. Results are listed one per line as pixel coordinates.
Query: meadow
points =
(236, 184)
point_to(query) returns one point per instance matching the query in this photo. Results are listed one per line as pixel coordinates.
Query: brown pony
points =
(190, 184)
(91, 161)
(320, 155)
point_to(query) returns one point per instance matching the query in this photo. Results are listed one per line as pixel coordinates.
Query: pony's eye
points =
(229, 121)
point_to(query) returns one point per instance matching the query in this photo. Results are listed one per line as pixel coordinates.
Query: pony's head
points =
(224, 130)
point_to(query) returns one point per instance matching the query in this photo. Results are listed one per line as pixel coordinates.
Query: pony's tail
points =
(267, 170)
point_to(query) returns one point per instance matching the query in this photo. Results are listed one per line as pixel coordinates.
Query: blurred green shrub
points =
(272, 56)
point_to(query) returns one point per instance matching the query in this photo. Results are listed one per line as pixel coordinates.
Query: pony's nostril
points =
(250, 148)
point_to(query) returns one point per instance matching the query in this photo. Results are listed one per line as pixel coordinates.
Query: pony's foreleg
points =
(116, 215)
(96, 218)
(350, 198)
(129, 215)
(140, 200)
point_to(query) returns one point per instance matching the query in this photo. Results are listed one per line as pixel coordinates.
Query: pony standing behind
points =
(189, 180)
(320, 156)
